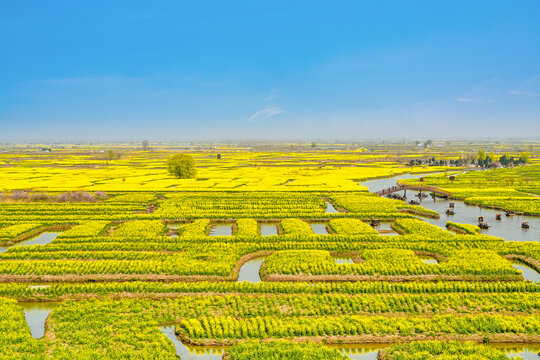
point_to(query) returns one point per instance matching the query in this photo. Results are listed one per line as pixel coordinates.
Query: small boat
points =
(525, 225)
(509, 213)
(414, 202)
(498, 217)
(483, 225)
(375, 222)
(450, 212)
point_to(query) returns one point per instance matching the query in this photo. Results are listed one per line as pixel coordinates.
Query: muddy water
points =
(319, 228)
(221, 230)
(528, 272)
(250, 270)
(42, 239)
(36, 314)
(508, 228)
(268, 229)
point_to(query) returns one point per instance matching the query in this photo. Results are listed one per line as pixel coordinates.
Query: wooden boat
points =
(483, 225)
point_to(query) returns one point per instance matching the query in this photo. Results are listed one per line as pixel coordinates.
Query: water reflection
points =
(330, 208)
(41, 239)
(250, 270)
(428, 259)
(36, 314)
(319, 228)
(343, 260)
(198, 353)
(508, 228)
(528, 272)
(221, 230)
(268, 229)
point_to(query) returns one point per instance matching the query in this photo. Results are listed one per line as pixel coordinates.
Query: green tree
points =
(525, 157)
(182, 166)
(313, 145)
(481, 155)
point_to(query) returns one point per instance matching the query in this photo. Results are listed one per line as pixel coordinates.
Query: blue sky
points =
(197, 70)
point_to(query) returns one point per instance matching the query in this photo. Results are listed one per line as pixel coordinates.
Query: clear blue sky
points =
(186, 70)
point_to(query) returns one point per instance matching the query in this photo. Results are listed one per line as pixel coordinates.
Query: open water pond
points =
(509, 227)
(36, 314)
(330, 208)
(221, 230)
(250, 270)
(319, 228)
(268, 229)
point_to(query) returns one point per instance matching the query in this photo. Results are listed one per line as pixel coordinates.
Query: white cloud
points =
(529, 87)
(522, 93)
(266, 113)
(477, 101)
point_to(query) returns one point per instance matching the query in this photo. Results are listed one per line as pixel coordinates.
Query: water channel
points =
(352, 351)
(250, 270)
(319, 228)
(508, 228)
(41, 239)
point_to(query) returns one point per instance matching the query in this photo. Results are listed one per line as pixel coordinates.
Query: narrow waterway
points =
(250, 270)
(36, 314)
(352, 351)
(528, 272)
(319, 228)
(41, 239)
(194, 353)
(509, 227)
(330, 208)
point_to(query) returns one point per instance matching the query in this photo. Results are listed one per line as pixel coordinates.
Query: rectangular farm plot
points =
(241, 205)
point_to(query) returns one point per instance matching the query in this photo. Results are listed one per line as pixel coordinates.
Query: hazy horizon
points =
(213, 71)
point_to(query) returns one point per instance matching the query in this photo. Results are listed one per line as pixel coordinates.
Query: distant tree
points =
(429, 142)
(182, 166)
(313, 145)
(145, 145)
(481, 155)
(111, 155)
(525, 157)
